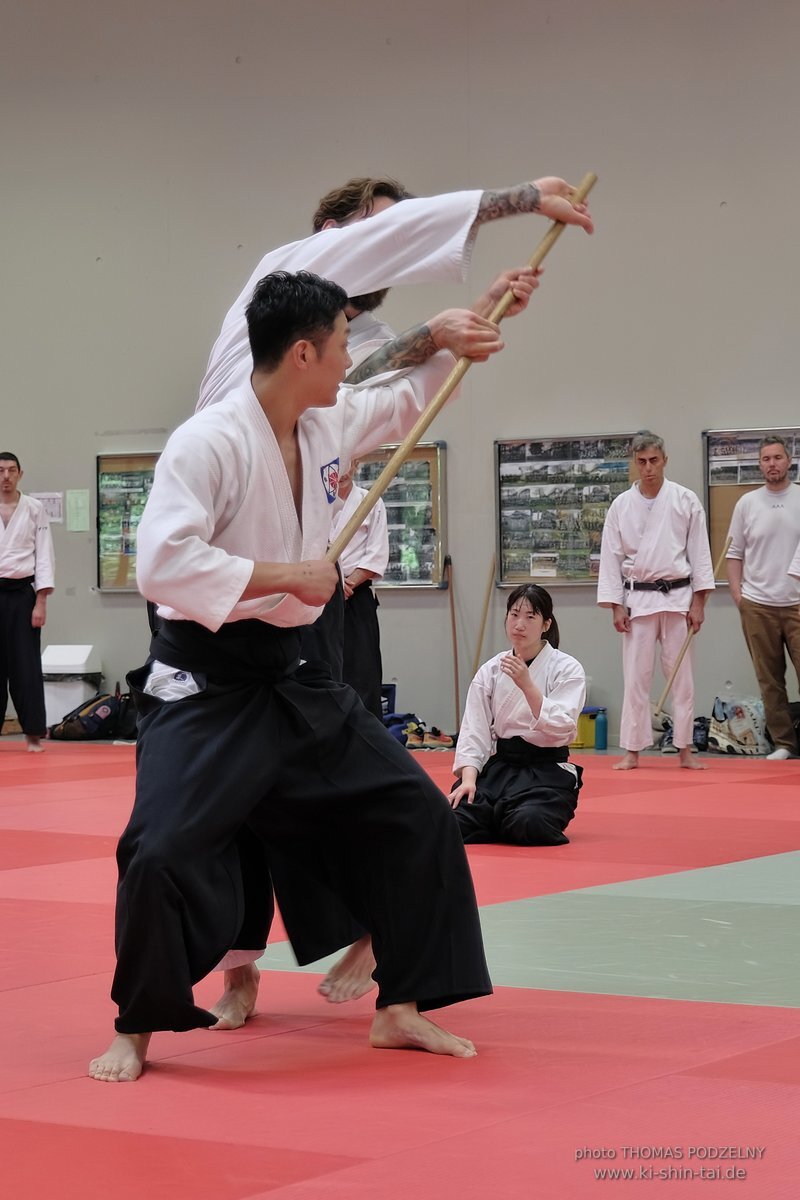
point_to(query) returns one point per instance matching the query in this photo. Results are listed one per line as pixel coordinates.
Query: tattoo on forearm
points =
(524, 198)
(411, 348)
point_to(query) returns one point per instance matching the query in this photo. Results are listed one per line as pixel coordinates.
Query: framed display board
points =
(731, 469)
(415, 513)
(123, 485)
(552, 499)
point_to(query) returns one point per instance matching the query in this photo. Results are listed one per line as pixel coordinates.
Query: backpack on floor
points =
(738, 727)
(94, 719)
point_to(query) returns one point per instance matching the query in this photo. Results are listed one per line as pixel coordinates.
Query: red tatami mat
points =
(296, 1106)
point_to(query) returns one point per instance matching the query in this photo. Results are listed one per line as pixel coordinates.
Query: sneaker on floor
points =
(415, 736)
(779, 754)
(436, 740)
(666, 743)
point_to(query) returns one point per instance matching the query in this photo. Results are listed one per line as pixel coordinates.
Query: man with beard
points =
(764, 533)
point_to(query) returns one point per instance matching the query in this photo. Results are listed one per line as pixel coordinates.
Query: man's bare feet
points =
(402, 1027)
(123, 1061)
(238, 1001)
(34, 744)
(685, 760)
(629, 763)
(351, 976)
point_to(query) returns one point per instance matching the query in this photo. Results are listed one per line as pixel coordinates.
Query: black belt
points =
(16, 585)
(518, 752)
(656, 585)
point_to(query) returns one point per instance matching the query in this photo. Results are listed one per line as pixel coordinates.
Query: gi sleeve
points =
(386, 408)
(476, 735)
(175, 565)
(44, 575)
(427, 240)
(610, 588)
(374, 554)
(698, 550)
(564, 698)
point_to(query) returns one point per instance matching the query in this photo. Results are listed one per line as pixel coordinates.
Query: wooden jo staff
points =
(663, 699)
(486, 602)
(426, 418)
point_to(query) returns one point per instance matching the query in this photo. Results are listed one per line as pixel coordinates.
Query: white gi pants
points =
(669, 629)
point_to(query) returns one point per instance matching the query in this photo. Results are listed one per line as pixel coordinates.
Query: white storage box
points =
(72, 675)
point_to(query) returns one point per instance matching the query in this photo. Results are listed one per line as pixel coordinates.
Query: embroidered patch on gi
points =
(330, 479)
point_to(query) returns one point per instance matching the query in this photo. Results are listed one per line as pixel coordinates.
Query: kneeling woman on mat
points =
(516, 782)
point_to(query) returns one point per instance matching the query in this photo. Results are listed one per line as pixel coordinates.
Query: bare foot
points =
(238, 1001)
(351, 976)
(402, 1027)
(123, 1061)
(629, 763)
(685, 760)
(34, 744)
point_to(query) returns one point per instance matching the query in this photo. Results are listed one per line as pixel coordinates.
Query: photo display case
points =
(123, 485)
(415, 514)
(731, 469)
(552, 499)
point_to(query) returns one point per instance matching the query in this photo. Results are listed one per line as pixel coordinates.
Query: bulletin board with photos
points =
(415, 514)
(123, 485)
(552, 500)
(731, 470)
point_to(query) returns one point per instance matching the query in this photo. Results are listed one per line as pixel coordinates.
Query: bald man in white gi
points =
(655, 576)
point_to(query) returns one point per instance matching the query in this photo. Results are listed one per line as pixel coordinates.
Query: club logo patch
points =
(330, 479)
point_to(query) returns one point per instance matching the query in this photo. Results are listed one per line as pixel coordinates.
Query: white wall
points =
(152, 152)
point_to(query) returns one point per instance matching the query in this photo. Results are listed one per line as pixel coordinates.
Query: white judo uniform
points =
(496, 708)
(26, 545)
(645, 542)
(369, 546)
(265, 743)
(428, 240)
(196, 552)
(27, 566)
(527, 789)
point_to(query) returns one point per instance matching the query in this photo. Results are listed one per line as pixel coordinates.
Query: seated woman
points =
(516, 783)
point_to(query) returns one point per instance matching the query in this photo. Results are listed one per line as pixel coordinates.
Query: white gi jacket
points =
(26, 545)
(428, 240)
(496, 708)
(221, 497)
(369, 546)
(667, 542)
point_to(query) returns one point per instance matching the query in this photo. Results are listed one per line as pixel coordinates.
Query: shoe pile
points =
(699, 736)
(420, 738)
(411, 733)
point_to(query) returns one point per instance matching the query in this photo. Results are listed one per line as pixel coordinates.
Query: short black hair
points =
(7, 456)
(286, 308)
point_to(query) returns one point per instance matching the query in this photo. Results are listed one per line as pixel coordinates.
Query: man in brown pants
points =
(764, 532)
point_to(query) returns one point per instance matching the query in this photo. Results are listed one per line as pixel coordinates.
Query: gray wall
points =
(152, 153)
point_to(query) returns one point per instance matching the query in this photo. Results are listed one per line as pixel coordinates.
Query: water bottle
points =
(601, 730)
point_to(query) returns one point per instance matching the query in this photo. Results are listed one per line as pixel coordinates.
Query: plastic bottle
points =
(601, 730)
